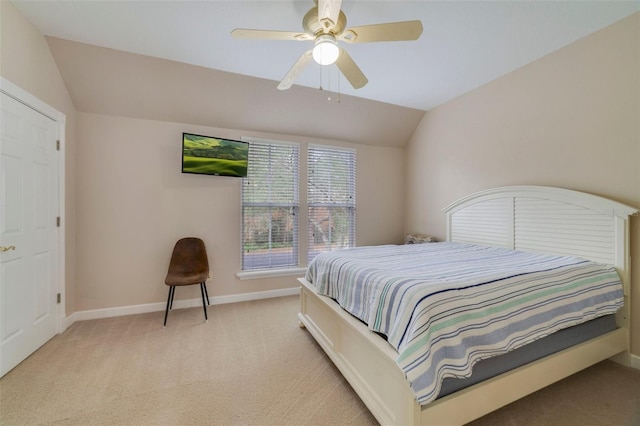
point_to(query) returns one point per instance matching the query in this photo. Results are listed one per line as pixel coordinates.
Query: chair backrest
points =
(189, 257)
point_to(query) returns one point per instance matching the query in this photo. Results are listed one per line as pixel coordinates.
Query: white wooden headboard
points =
(545, 220)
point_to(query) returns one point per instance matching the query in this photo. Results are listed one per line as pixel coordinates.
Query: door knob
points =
(3, 249)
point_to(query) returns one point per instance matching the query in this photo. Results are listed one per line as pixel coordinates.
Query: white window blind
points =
(270, 206)
(331, 198)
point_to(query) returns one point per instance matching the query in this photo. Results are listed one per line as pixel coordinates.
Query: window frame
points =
(301, 240)
(293, 204)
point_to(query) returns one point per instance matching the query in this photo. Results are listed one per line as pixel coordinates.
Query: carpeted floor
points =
(250, 364)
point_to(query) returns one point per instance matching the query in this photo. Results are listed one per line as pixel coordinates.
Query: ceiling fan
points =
(325, 25)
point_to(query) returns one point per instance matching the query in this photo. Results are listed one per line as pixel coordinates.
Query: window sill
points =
(269, 273)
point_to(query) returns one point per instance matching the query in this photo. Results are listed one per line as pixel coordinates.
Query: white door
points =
(29, 231)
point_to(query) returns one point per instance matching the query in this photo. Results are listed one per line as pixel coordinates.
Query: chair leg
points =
(173, 293)
(206, 293)
(204, 306)
(169, 300)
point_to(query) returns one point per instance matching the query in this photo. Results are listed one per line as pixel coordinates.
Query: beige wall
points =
(26, 61)
(112, 82)
(570, 119)
(133, 204)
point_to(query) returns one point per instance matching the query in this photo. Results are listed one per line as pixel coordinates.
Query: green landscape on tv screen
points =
(207, 155)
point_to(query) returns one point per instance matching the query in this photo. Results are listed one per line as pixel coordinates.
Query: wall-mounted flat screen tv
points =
(208, 155)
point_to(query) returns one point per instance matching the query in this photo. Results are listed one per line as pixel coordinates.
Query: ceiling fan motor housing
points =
(314, 27)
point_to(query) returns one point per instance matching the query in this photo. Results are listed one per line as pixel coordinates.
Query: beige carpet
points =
(250, 364)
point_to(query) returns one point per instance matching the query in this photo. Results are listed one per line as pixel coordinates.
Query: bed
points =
(542, 221)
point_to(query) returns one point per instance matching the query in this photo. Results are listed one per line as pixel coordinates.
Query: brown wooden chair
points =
(189, 265)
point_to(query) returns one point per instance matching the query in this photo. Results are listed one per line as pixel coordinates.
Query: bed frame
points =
(531, 218)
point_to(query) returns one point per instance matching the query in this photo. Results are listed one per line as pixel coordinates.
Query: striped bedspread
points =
(446, 306)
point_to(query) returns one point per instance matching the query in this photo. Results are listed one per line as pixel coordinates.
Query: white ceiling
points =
(464, 44)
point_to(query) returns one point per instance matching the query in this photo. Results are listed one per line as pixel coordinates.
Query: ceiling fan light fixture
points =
(326, 50)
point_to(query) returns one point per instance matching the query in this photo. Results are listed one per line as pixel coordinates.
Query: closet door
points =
(29, 232)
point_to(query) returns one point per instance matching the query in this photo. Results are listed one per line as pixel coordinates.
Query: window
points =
(331, 198)
(270, 206)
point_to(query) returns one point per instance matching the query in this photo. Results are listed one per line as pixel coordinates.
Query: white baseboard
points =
(177, 304)
(627, 359)
(634, 361)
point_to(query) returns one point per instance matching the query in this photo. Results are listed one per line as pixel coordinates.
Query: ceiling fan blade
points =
(348, 67)
(328, 13)
(300, 64)
(270, 35)
(393, 31)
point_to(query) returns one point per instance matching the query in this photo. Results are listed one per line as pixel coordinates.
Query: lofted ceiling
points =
(463, 46)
